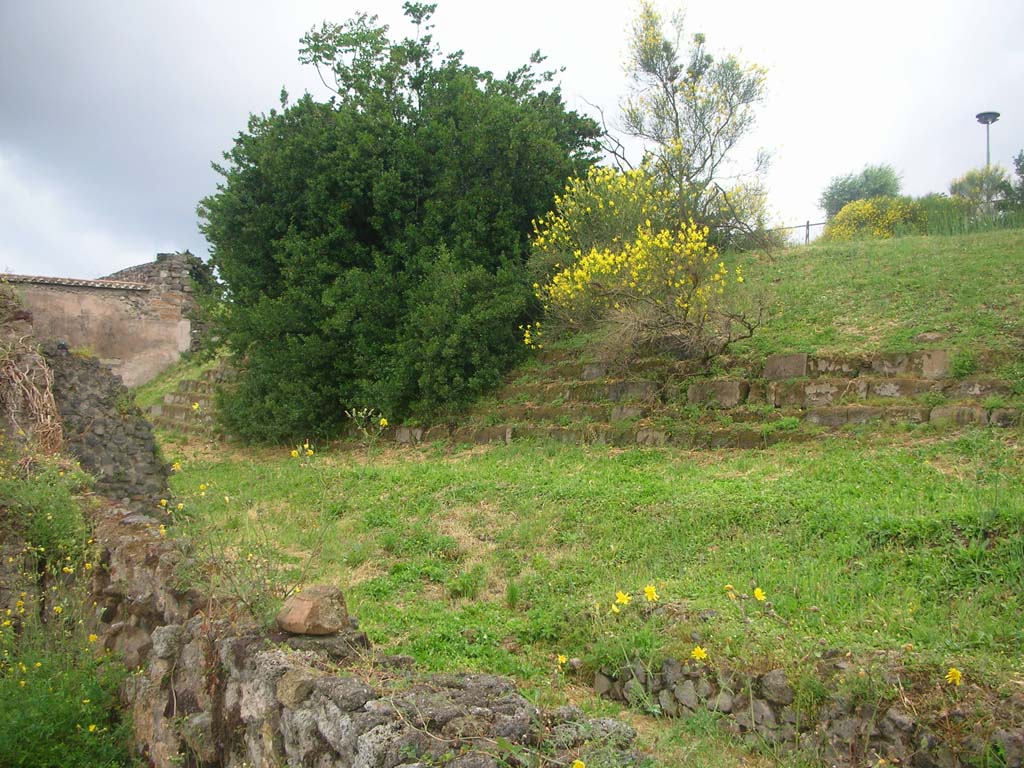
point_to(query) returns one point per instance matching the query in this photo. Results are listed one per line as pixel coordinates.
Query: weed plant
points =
(58, 692)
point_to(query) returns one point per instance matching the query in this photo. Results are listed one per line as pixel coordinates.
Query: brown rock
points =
(317, 610)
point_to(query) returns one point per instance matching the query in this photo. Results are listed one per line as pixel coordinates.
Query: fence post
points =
(807, 233)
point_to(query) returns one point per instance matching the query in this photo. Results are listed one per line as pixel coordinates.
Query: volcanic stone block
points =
(820, 393)
(780, 367)
(977, 388)
(651, 437)
(861, 414)
(718, 393)
(1004, 417)
(827, 417)
(935, 364)
(835, 366)
(961, 415)
(900, 387)
(783, 394)
(891, 364)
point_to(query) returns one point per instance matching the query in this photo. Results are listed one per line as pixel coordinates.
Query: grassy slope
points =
(872, 296)
(861, 547)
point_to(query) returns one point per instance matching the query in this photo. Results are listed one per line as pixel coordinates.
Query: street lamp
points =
(986, 119)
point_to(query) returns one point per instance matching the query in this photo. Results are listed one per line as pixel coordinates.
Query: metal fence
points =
(805, 227)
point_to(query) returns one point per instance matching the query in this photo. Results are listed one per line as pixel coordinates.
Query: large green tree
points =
(372, 248)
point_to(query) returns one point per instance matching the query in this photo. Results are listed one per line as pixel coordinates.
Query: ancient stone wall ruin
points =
(105, 430)
(137, 321)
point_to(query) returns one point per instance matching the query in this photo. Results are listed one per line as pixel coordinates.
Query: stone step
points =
(179, 398)
(932, 364)
(571, 412)
(196, 386)
(178, 426)
(183, 413)
(813, 392)
(622, 390)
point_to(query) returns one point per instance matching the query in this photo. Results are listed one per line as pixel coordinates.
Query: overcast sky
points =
(111, 112)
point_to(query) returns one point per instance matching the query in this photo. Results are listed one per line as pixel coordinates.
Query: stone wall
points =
(839, 728)
(138, 321)
(105, 431)
(213, 692)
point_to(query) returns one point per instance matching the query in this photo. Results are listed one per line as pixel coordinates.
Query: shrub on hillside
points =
(873, 181)
(372, 246)
(614, 255)
(879, 217)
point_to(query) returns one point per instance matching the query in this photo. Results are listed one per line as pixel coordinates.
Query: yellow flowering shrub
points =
(876, 218)
(610, 250)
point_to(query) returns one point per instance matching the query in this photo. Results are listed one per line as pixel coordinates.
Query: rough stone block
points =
(861, 414)
(786, 394)
(976, 388)
(317, 610)
(899, 387)
(845, 367)
(1004, 417)
(758, 392)
(935, 364)
(654, 437)
(827, 417)
(626, 412)
(818, 393)
(894, 364)
(294, 686)
(961, 415)
(719, 393)
(779, 367)
(408, 435)
(775, 687)
(632, 390)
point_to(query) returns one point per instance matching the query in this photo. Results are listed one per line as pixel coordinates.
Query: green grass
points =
(58, 698)
(500, 559)
(878, 295)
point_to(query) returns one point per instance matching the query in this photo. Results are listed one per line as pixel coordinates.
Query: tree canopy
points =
(873, 181)
(372, 248)
(692, 109)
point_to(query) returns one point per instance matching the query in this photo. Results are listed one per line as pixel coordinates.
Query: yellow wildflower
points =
(163, 502)
(622, 598)
(615, 608)
(578, 764)
(698, 653)
(953, 676)
(562, 658)
(295, 454)
(163, 530)
(58, 609)
(92, 727)
(759, 595)
(195, 406)
(93, 638)
(383, 422)
(176, 466)
(651, 593)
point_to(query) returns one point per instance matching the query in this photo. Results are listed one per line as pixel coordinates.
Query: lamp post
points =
(986, 119)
